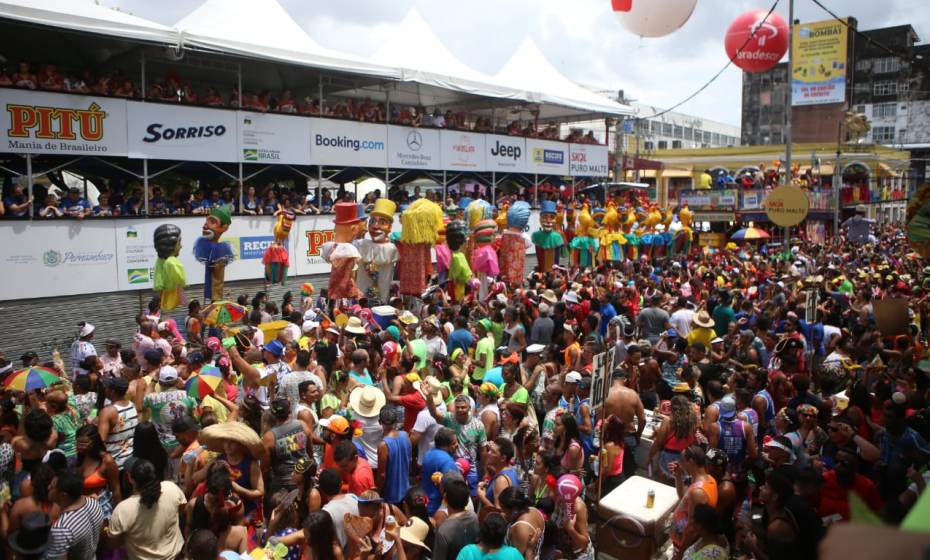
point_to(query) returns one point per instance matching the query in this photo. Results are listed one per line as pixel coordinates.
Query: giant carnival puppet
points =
(276, 259)
(459, 269)
(547, 241)
(169, 278)
(443, 253)
(513, 244)
(378, 254)
(484, 256)
(341, 254)
(681, 231)
(420, 225)
(611, 240)
(213, 253)
(584, 244)
(476, 211)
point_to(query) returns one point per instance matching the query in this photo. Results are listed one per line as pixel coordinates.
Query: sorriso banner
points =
(54, 123)
(267, 138)
(413, 148)
(160, 131)
(352, 144)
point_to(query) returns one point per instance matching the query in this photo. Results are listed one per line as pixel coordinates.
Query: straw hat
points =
(549, 295)
(702, 319)
(415, 532)
(366, 401)
(354, 325)
(431, 387)
(216, 435)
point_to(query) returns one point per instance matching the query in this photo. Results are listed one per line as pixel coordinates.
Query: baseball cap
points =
(572, 377)
(727, 407)
(336, 424)
(535, 348)
(717, 340)
(167, 375)
(369, 497)
(86, 329)
(280, 407)
(716, 457)
(309, 325)
(30, 355)
(274, 347)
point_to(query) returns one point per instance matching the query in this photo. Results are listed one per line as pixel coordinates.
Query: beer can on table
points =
(650, 499)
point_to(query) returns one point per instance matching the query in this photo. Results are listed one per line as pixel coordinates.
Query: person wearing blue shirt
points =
(158, 204)
(74, 205)
(439, 459)
(17, 203)
(607, 313)
(461, 337)
(215, 201)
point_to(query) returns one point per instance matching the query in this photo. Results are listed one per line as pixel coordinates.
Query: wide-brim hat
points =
(415, 531)
(549, 295)
(367, 401)
(384, 207)
(346, 213)
(31, 539)
(432, 387)
(216, 435)
(703, 319)
(354, 325)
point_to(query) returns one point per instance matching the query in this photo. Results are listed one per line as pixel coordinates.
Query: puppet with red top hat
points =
(342, 254)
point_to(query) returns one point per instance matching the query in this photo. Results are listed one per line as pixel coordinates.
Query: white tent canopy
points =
(263, 29)
(423, 58)
(86, 16)
(529, 69)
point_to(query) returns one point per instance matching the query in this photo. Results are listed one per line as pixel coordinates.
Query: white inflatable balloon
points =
(653, 18)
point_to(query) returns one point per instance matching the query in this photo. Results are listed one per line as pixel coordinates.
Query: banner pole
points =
(32, 206)
(241, 187)
(145, 184)
(319, 188)
(493, 188)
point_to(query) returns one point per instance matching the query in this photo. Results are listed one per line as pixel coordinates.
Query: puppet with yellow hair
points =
(420, 225)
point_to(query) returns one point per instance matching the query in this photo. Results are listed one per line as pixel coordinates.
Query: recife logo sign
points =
(254, 247)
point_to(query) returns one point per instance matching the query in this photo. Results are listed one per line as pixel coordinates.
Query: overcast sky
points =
(580, 37)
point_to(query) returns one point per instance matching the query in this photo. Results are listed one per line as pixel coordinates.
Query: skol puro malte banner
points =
(818, 69)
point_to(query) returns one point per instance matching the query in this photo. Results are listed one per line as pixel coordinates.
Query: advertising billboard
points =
(413, 148)
(818, 70)
(160, 131)
(54, 123)
(265, 138)
(352, 144)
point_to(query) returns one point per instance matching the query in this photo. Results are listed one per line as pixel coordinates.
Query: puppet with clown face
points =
(379, 255)
(213, 253)
(548, 241)
(341, 254)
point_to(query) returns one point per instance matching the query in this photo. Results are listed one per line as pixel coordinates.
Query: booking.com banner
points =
(348, 143)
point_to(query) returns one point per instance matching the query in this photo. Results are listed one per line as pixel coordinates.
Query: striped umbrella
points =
(223, 313)
(33, 378)
(200, 386)
(211, 371)
(750, 233)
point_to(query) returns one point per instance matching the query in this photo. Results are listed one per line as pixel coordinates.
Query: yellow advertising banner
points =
(818, 69)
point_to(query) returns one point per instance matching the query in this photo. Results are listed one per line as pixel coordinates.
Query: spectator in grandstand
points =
(158, 204)
(135, 204)
(16, 203)
(212, 98)
(102, 209)
(75, 205)
(24, 77)
(250, 202)
(50, 79)
(269, 201)
(286, 103)
(51, 209)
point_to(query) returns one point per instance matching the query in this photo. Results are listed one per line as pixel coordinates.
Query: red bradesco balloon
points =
(765, 48)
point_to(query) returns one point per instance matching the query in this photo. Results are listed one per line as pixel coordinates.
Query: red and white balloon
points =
(652, 18)
(765, 39)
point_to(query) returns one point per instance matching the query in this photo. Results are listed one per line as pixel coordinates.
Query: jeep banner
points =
(505, 153)
(159, 131)
(587, 160)
(67, 125)
(265, 138)
(546, 157)
(413, 148)
(352, 144)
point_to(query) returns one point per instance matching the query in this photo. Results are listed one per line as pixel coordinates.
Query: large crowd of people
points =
(174, 89)
(782, 401)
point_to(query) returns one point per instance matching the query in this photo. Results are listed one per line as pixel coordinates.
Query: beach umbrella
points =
(32, 378)
(223, 313)
(750, 233)
(200, 386)
(211, 371)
